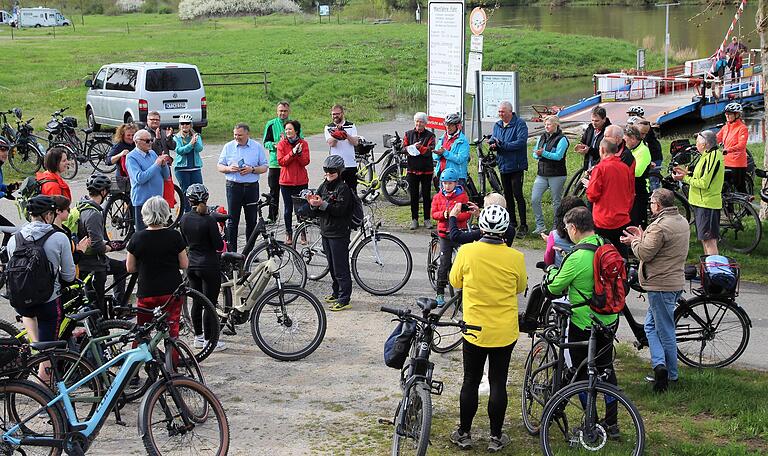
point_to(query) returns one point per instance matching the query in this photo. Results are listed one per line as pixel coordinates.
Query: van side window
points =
(123, 79)
(98, 81)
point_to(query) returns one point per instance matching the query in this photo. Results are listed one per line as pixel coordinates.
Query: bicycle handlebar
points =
(406, 313)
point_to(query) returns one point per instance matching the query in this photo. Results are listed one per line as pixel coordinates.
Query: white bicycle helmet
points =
(636, 111)
(632, 120)
(494, 219)
(734, 107)
(453, 119)
(185, 118)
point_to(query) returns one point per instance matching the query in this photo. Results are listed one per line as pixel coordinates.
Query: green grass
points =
(367, 67)
(712, 412)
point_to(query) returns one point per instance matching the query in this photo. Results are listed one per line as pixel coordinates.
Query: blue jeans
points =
(238, 197)
(655, 181)
(139, 220)
(187, 178)
(660, 329)
(555, 184)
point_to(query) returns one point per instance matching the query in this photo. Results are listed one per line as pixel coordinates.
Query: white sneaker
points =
(220, 346)
(485, 387)
(199, 341)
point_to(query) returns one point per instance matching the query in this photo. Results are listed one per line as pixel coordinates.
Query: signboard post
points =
(640, 65)
(477, 21)
(495, 87)
(324, 10)
(445, 60)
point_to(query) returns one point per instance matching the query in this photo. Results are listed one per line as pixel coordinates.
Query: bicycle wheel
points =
(448, 338)
(615, 426)
(575, 187)
(72, 161)
(413, 422)
(162, 426)
(537, 384)
(710, 333)
(493, 179)
(394, 185)
(22, 399)
(177, 208)
(740, 226)
(119, 222)
(69, 367)
(26, 158)
(144, 378)
(98, 149)
(312, 250)
(433, 261)
(293, 270)
(381, 264)
(10, 331)
(288, 324)
(190, 299)
(364, 172)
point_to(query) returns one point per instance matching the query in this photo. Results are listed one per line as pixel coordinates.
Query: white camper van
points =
(41, 17)
(5, 17)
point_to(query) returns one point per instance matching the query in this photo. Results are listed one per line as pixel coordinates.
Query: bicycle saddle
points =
(232, 257)
(40, 346)
(83, 315)
(561, 307)
(87, 131)
(426, 303)
(219, 217)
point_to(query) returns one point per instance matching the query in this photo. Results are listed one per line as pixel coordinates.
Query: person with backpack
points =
(40, 258)
(491, 276)
(63, 212)
(50, 181)
(576, 278)
(201, 233)
(333, 203)
(91, 225)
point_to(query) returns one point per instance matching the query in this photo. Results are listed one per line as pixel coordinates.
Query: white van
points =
(5, 17)
(126, 92)
(41, 17)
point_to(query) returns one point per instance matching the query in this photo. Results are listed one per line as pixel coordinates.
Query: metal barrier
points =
(265, 81)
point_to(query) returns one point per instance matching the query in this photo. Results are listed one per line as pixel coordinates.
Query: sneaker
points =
(220, 346)
(611, 430)
(522, 231)
(461, 439)
(498, 443)
(440, 300)
(340, 306)
(414, 224)
(539, 230)
(199, 341)
(303, 238)
(428, 224)
(485, 387)
(660, 376)
(331, 299)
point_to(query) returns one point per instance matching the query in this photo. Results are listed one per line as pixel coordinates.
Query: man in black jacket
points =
(589, 145)
(333, 205)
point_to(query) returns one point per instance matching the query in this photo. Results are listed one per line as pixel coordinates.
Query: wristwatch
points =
(253, 170)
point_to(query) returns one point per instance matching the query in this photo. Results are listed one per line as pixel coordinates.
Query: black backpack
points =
(30, 275)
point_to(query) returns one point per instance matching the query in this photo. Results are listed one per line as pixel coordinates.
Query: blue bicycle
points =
(176, 415)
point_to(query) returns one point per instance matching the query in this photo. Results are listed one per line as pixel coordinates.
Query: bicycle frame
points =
(245, 293)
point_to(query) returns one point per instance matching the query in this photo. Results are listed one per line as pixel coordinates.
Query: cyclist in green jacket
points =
(273, 133)
(576, 277)
(706, 187)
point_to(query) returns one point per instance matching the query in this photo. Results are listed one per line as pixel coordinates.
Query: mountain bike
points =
(288, 322)
(26, 156)
(380, 262)
(486, 169)
(433, 261)
(174, 408)
(62, 133)
(413, 417)
(394, 182)
(119, 219)
(448, 338)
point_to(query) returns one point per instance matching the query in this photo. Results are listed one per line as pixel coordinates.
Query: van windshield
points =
(172, 79)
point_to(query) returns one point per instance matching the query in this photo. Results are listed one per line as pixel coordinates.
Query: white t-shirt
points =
(345, 149)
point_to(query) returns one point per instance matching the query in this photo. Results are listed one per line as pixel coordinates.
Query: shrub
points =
(191, 9)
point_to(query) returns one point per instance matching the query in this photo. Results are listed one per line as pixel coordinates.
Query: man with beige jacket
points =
(662, 249)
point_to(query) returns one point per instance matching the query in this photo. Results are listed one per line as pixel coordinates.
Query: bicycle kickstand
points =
(118, 419)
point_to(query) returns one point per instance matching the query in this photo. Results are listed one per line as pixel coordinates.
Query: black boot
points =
(660, 377)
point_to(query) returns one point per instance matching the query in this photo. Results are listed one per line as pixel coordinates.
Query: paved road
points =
(751, 297)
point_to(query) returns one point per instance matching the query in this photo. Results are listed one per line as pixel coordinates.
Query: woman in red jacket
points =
(55, 163)
(450, 194)
(733, 136)
(293, 157)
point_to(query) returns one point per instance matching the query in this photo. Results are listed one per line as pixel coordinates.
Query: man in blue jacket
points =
(510, 135)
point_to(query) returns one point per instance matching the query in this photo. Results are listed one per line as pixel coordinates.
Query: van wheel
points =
(91, 120)
(37, 26)
(128, 118)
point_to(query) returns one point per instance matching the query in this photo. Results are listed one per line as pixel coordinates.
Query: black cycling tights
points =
(209, 284)
(498, 368)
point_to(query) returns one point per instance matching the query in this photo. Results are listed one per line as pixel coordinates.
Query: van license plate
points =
(180, 105)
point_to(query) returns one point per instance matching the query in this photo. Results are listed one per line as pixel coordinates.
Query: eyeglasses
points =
(336, 114)
(568, 226)
(4, 149)
(153, 120)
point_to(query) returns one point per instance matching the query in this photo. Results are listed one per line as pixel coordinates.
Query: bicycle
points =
(449, 338)
(413, 417)
(176, 407)
(486, 173)
(26, 155)
(279, 316)
(119, 219)
(394, 183)
(61, 133)
(380, 262)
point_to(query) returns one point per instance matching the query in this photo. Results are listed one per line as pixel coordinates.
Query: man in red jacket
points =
(611, 190)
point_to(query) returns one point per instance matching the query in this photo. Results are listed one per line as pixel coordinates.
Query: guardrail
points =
(265, 81)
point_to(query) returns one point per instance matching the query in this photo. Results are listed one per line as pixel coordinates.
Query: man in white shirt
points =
(341, 136)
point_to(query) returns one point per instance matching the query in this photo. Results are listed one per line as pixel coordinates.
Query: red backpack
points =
(610, 273)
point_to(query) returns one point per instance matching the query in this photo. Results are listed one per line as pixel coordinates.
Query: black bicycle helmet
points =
(97, 182)
(333, 162)
(5, 143)
(40, 204)
(197, 194)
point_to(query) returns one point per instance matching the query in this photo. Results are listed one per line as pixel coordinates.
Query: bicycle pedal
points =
(436, 387)
(386, 421)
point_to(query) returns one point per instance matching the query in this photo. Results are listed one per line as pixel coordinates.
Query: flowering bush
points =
(129, 6)
(191, 9)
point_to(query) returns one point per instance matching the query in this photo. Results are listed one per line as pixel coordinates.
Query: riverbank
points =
(369, 68)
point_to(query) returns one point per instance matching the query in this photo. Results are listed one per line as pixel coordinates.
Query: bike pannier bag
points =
(719, 275)
(398, 344)
(30, 274)
(528, 321)
(610, 274)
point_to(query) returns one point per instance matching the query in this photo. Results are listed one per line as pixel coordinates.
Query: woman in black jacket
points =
(201, 233)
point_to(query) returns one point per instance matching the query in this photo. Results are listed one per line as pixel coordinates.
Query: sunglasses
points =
(144, 140)
(185, 123)
(4, 149)
(330, 171)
